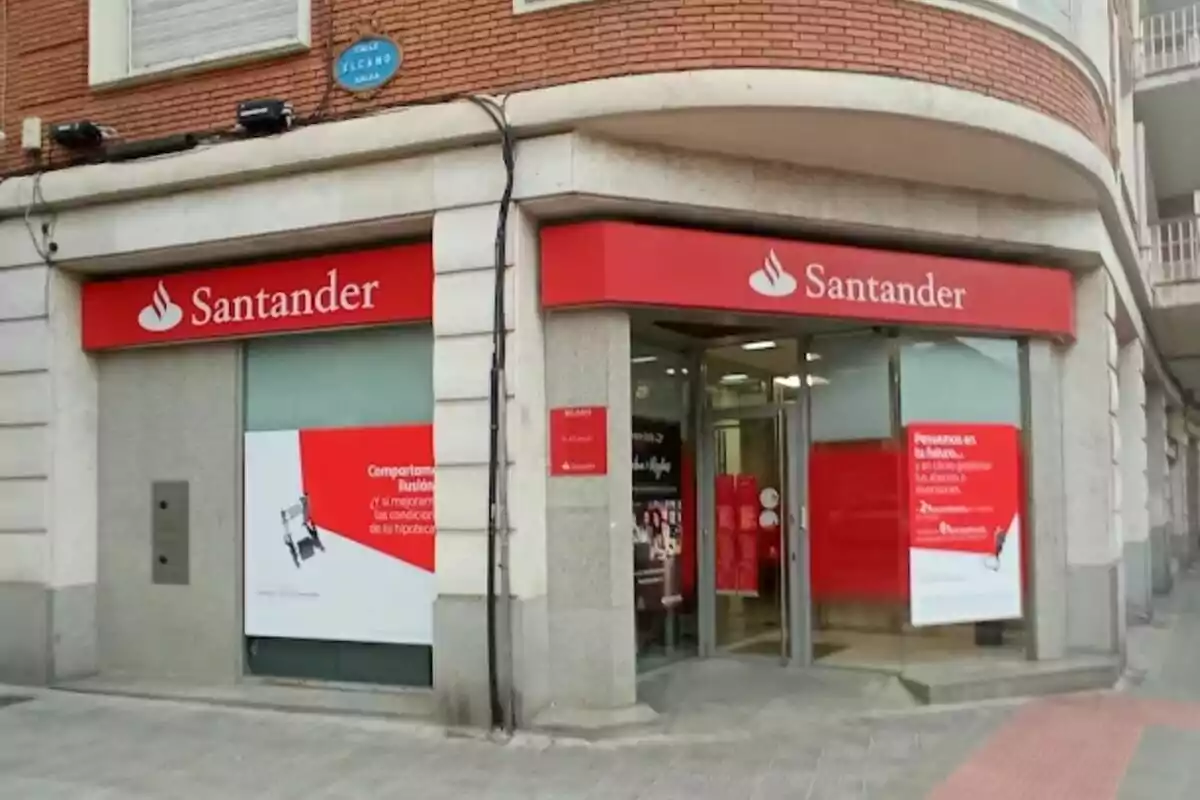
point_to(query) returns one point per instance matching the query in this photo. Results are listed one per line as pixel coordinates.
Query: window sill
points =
(531, 6)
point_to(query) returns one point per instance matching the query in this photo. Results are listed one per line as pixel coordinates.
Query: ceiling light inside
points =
(763, 345)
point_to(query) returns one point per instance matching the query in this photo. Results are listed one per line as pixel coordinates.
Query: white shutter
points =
(164, 32)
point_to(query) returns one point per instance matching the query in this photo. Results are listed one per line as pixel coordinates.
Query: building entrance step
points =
(993, 679)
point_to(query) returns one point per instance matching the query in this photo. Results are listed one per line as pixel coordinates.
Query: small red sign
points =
(624, 264)
(579, 441)
(366, 287)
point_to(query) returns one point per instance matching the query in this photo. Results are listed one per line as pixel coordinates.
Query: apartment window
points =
(133, 38)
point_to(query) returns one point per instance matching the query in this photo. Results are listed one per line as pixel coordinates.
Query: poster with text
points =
(657, 514)
(964, 523)
(339, 534)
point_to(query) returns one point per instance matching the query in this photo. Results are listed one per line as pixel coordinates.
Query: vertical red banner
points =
(737, 534)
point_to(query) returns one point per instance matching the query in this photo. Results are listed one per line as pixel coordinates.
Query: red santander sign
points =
(365, 287)
(623, 264)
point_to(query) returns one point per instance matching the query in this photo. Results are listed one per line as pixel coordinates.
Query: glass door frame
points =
(792, 426)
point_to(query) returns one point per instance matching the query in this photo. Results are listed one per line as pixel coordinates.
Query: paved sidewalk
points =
(1141, 743)
(84, 747)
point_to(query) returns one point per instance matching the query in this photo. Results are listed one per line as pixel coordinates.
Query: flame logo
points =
(162, 314)
(772, 280)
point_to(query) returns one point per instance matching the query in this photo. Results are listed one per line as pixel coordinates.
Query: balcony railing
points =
(1174, 252)
(1169, 41)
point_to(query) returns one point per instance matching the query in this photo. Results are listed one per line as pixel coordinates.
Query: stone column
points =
(1178, 470)
(1135, 510)
(463, 241)
(47, 481)
(589, 532)
(1046, 610)
(1158, 481)
(1192, 520)
(1091, 454)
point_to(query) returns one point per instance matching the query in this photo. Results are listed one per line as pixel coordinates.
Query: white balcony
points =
(1174, 251)
(1169, 41)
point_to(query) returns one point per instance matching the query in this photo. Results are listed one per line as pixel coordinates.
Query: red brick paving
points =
(1063, 748)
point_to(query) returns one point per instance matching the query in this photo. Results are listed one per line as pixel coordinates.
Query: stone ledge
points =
(593, 723)
(965, 682)
(415, 705)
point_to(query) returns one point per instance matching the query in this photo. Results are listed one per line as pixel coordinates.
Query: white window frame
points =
(110, 62)
(527, 6)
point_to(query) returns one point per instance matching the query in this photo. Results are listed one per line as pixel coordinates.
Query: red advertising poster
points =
(858, 521)
(964, 523)
(340, 536)
(623, 263)
(579, 441)
(737, 534)
(365, 287)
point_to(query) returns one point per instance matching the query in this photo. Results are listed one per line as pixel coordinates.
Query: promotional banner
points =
(340, 534)
(964, 523)
(657, 514)
(737, 534)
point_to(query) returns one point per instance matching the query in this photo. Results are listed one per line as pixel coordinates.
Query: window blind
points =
(168, 31)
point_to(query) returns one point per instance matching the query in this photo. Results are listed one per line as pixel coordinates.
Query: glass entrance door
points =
(748, 524)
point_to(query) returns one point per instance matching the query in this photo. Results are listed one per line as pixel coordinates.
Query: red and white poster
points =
(737, 534)
(964, 523)
(340, 534)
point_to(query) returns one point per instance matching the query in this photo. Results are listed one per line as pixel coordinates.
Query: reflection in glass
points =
(663, 508)
(748, 493)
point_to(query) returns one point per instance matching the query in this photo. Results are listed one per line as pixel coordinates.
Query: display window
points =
(338, 527)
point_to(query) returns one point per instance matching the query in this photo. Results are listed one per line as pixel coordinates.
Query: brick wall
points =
(456, 46)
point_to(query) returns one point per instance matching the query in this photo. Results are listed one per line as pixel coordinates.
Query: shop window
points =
(850, 381)
(663, 507)
(957, 379)
(325, 388)
(859, 476)
(960, 379)
(369, 377)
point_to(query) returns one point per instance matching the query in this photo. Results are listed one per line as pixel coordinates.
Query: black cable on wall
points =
(501, 718)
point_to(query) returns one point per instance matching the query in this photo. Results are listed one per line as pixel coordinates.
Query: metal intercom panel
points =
(169, 532)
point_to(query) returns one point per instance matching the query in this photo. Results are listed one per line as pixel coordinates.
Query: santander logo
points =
(209, 306)
(162, 314)
(772, 280)
(823, 283)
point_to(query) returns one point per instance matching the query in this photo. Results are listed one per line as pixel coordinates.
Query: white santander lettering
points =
(818, 285)
(331, 297)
